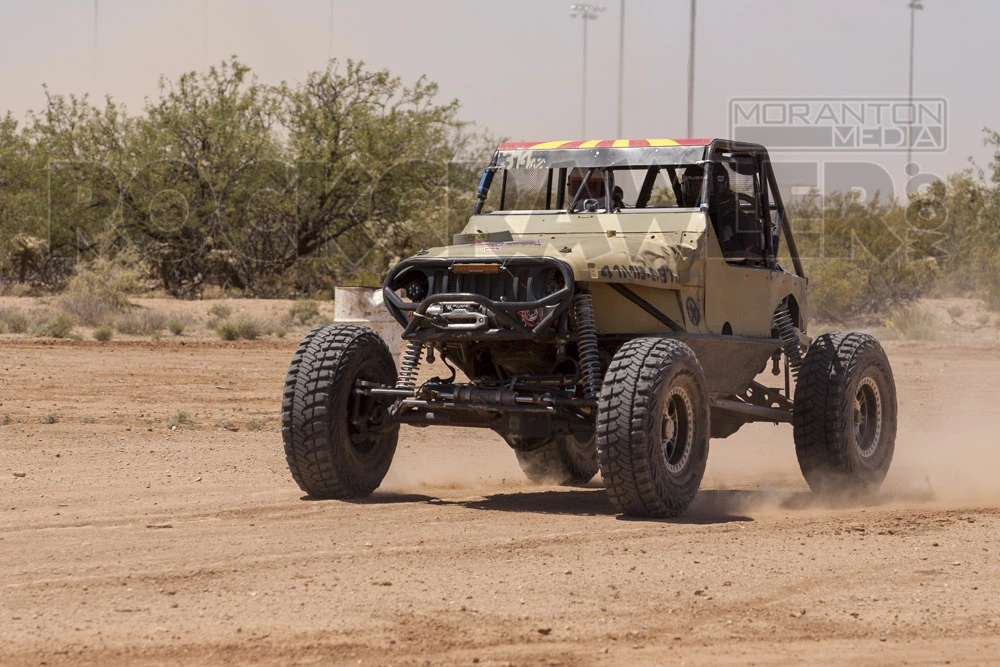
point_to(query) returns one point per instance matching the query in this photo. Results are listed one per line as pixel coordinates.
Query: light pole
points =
(587, 13)
(96, 15)
(329, 36)
(621, 67)
(204, 33)
(914, 6)
(690, 118)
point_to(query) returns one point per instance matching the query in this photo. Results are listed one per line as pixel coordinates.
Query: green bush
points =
(835, 289)
(100, 288)
(58, 326)
(227, 330)
(241, 326)
(220, 310)
(249, 327)
(140, 322)
(304, 310)
(13, 320)
(914, 323)
(176, 326)
(89, 309)
(181, 417)
(103, 333)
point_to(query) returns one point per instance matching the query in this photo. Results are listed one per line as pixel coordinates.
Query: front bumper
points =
(496, 298)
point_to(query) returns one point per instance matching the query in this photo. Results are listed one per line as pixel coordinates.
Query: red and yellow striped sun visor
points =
(601, 143)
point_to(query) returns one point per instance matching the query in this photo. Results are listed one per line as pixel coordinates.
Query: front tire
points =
(653, 427)
(335, 442)
(845, 414)
(566, 460)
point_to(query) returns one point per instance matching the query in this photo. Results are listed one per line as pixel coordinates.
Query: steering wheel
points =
(744, 197)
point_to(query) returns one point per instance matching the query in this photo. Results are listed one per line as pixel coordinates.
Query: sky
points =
(516, 66)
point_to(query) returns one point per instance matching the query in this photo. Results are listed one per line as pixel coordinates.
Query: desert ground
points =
(147, 517)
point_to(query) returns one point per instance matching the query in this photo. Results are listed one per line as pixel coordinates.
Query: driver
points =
(594, 191)
(691, 182)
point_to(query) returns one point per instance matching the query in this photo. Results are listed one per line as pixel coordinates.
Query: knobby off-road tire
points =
(567, 460)
(653, 427)
(329, 455)
(845, 414)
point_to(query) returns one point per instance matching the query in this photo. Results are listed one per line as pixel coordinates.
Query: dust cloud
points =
(947, 448)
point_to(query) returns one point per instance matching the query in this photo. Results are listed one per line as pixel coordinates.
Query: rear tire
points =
(653, 427)
(845, 414)
(329, 453)
(566, 460)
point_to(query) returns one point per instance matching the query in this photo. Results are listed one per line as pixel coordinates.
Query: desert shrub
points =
(89, 309)
(57, 326)
(176, 326)
(179, 418)
(220, 310)
(241, 326)
(280, 332)
(140, 322)
(914, 323)
(103, 333)
(304, 310)
(835, 289)
(13, 320)
(16, 289)
(213, 292)
(99, 289)
(992, 279)
(956, 312)
(109, 280)
(227, 330)
(51, 418)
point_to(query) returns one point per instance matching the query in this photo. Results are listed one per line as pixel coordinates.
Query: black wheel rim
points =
(677, 429)
(362, 412)
(867, 416)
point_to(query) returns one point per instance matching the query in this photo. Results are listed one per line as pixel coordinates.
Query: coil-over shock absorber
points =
(784, 325)
(409, 365)
(586, 344)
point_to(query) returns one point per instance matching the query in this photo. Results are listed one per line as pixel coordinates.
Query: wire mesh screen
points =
(739, 183)
(519, 190)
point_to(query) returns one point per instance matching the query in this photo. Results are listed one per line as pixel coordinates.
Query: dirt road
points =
(147, 517)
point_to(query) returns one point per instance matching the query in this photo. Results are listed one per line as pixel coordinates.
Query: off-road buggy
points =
(612, 305)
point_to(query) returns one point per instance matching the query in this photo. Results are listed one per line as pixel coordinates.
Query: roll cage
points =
(549, 171)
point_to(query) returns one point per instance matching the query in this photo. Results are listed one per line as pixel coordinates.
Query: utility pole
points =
(587, 13)
(690, 115)
(96, 14)
(329, 36)
(204, 33)
(914, 6)
(621, 67)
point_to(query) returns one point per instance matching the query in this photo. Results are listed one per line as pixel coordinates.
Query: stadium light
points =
(914, 6)
(587, 13)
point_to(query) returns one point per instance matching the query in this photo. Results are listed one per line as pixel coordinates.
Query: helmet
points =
(691, 183)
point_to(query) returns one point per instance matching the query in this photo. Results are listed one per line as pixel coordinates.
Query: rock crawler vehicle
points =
(610, 307)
